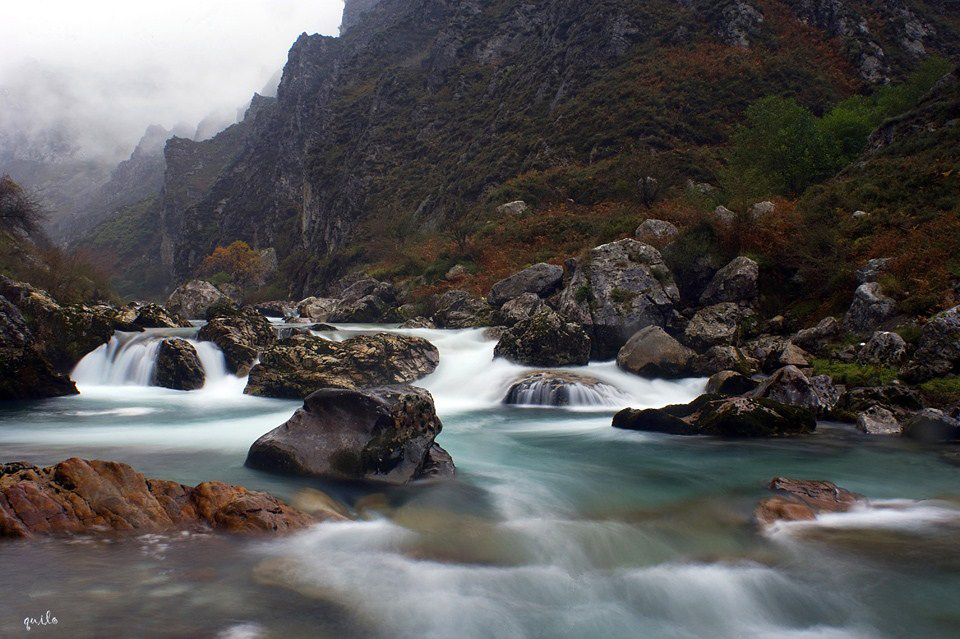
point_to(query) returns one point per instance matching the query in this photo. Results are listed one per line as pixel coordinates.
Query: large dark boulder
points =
(938, 350)
(300, 365)
(543, 280)
(460, 309)
(546, 339)
(100, 497)
(932, 426)
(721, 416)
(241, 335)
(651, 352)
(178, 366)
(24, 372)
(384, 434)
(616, 290)
(735, 282)
(194, 298)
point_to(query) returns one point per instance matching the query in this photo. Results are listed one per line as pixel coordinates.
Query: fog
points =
(83, 80)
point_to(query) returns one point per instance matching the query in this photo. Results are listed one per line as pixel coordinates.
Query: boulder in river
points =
(877, 420)
(543, 280)
(932, 426)
(383, 434)
(616, 290)
(651, 352)
(178, 366)
(803, 500)
(721, 416)
(559, 388)
(731, 383)
(546, 339)
(194, 298)
(316, 308)
(366, 301)
(300, 365)
(97, 497)
(156, 316)
(24, 371)
(241, 336)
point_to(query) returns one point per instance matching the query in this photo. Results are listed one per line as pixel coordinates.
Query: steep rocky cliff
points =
(424, 108)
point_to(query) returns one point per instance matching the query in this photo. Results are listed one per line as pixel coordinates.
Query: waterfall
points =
(550, 393)
(129, 359)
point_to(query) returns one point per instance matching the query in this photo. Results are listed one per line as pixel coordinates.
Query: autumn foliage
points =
(238, 262)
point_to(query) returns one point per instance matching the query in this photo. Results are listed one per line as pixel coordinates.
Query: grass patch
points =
(854, 374)
(942, 391)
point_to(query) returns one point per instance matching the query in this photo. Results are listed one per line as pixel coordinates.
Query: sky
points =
(101, 71)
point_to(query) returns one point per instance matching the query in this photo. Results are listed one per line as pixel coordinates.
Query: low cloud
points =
(84, 80)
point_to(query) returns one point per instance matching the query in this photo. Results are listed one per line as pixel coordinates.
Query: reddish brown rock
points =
(83, 497)
(803, 500)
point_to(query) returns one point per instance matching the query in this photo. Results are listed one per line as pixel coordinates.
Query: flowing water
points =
(557, 527)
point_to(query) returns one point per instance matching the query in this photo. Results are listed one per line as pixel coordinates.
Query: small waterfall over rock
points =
(556, 388)
(129, 359)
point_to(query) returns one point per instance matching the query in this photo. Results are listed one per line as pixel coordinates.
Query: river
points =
(557, 527)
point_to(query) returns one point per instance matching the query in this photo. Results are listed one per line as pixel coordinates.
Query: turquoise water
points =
(558, 526)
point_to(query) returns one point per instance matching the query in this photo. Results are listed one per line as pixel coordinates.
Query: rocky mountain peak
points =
(352, 12)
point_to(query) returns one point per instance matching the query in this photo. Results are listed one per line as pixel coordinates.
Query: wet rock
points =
(657, 232)
(730, 383)
(24, 372)
(276, 308)
(298, 366)
(721, 417)
(724, 358)
(932, 426)
(543, 280)
(64, 334)
(790, 386)
(557, 388)
(241, 336)
(938, 350)
(418, 322)
(877, 420)
(546, 339)
(803, 500)
(178, 366)
(460, 309)
(194, 298)
(714, 326)
(520, 308)
(869, 309)
(735, 282)
(100, 497)
(651, 352)
(316, 308)
(883, 349)
(155, 316)
(383, 434)
(618, 289)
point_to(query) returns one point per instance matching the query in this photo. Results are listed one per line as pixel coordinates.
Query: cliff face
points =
(353, 10)
(425, 107)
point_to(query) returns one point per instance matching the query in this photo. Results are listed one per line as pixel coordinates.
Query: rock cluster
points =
(98, 497)
(546, 339)
(241, 335)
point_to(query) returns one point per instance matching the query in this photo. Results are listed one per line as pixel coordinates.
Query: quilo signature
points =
(46, 620)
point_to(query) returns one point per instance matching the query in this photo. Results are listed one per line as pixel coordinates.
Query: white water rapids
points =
(558, 526)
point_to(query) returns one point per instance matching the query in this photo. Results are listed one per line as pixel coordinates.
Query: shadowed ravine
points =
(558, 526)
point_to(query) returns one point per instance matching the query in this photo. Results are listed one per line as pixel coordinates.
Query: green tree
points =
(782, 145)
